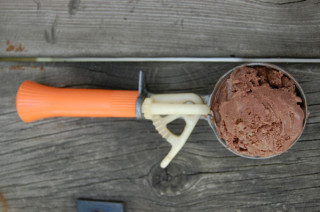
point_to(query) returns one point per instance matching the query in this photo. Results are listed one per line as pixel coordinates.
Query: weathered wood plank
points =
(48, 164)
(160, 28)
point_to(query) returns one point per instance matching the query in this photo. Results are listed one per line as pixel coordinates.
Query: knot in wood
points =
(170, 181)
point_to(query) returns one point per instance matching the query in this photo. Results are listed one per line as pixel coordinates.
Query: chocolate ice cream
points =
(257, 111)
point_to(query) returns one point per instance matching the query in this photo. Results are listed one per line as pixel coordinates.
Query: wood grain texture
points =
(48, 164)
(246, 28)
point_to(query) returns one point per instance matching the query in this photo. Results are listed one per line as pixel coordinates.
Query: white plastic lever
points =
(165, 108)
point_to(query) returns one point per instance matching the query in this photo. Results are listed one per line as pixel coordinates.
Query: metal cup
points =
(211, 119)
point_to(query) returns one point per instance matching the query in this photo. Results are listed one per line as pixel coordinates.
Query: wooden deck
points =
(248, 28)
(48, 164)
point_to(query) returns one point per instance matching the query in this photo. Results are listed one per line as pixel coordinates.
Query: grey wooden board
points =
(248, 28)
(48, 164)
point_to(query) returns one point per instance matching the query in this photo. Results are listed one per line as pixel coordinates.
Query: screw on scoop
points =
(35, 101)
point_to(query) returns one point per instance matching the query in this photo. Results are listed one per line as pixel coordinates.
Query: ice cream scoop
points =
(259, 110)
(35, 101)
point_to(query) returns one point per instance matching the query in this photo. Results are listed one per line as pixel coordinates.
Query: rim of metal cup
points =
(222, 79)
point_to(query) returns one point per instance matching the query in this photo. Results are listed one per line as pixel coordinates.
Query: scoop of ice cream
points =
(257, 112)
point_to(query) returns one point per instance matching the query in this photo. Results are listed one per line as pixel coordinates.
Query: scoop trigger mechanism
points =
(163, 109)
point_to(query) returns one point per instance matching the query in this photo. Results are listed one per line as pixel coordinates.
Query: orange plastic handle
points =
(35, 101)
